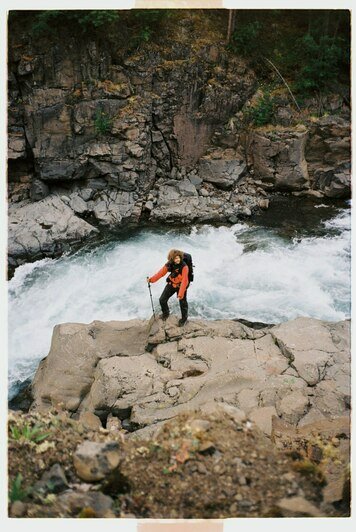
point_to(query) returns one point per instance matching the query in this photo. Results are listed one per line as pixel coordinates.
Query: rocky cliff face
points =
(104, 137)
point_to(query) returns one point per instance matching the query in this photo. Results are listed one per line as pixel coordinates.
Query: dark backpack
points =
(189, 262)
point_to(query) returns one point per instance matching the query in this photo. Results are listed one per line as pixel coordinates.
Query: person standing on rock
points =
(177, 282)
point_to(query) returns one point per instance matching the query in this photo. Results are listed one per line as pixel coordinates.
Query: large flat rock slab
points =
(145, 373)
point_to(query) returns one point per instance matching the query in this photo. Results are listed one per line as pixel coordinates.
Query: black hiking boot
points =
(182, 322)
(163, 316)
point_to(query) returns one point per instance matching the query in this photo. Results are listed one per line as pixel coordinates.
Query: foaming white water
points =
(240, 271)
(342, 221)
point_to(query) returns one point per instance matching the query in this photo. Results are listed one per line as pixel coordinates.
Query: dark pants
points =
(166, 294)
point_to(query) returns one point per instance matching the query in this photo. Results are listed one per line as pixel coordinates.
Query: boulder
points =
(52, 481)
(39, 190)
(43, 228)
(95, 503)
(120, 382)
(94, 461)
(111, 208)
(278, 157)
(309, 346)
(77, 204)
(222, 173)
(293, 407)
(58, 380)
(186, 188)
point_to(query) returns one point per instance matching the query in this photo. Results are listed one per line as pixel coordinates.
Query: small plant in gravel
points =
(28, 433)
(17, 491)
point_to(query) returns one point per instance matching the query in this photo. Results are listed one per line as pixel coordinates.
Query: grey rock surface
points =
(279, 157)
(146, 373)
(43, 228)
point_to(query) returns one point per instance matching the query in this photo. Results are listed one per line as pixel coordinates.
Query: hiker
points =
(177, 282)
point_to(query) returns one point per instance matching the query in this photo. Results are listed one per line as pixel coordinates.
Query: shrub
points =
(245, 40)
(102, 122)
(263, 112)
(310, 49)
(319, 62)
(134, 27)
(48, 22)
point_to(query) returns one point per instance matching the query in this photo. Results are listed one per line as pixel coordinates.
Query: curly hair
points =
(173, 253)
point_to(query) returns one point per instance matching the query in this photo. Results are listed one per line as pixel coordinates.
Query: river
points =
(293, 260)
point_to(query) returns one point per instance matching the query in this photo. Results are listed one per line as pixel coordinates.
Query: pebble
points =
(201, 468)
(90, 421)
(18, 509)
(113, 423)
(233, 508)
(298, 507)
(199, 425)
(245, 503)
(207, 447)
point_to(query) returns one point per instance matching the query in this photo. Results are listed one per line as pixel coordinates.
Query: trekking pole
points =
(153, 310)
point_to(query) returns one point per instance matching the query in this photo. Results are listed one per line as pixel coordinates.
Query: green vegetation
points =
(102, 122)
(27, 432)
(147, 22)
(129, 28)
(319, 62)
(310, 48)
(263, 112)
(310, 470)
(17, 492)
(46, 22)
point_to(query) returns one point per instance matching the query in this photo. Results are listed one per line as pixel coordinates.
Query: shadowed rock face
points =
(147, 373)
(328, 156)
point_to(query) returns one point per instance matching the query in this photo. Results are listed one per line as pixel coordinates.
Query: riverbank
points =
(79, 470)
(294, 261)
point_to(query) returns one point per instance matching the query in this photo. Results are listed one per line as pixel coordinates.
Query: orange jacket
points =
(181, 280)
